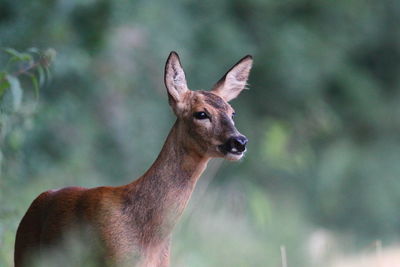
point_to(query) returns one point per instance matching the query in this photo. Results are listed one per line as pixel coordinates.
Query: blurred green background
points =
(321, 177)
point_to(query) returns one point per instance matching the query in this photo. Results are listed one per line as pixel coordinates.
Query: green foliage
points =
(32, 65)
(321, 115)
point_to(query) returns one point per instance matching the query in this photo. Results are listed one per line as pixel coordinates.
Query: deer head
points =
(205, 119)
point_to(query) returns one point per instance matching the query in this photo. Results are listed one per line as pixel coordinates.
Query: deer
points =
(133, 223)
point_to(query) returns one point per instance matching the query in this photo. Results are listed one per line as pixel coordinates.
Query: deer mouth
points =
(234, 147)
(231, 153)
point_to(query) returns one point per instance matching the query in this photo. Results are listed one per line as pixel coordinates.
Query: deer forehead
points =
(211, 102)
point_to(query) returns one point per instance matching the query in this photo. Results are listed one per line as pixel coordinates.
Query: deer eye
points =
(201, 115)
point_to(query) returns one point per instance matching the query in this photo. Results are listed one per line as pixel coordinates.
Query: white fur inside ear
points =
(235, 80)
(175, 79)
(179, 78)
(233, 86)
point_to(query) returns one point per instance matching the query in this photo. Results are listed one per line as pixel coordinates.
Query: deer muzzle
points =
(235, 145)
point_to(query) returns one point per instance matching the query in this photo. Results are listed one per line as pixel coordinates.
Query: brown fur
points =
(133, 223)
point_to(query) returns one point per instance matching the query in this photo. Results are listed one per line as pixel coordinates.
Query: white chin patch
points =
(233, 157)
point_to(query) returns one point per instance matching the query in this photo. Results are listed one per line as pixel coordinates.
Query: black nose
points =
(237, 144)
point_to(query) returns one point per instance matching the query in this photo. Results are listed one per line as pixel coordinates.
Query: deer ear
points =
(235, 80)
(174, 79)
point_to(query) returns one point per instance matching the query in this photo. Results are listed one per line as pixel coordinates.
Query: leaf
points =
(12, 60)
(18, 57)
(42, 75)
(16, 91)
(4, 84)
(48, 74)
(11, 100)
(35, 85)
(25, 57)
(12, 52)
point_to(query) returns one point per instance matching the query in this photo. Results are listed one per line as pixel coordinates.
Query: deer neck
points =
(177, 165)
(162, 193)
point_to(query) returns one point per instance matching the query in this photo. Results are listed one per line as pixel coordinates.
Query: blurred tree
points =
(33, 65)
(321, 115)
